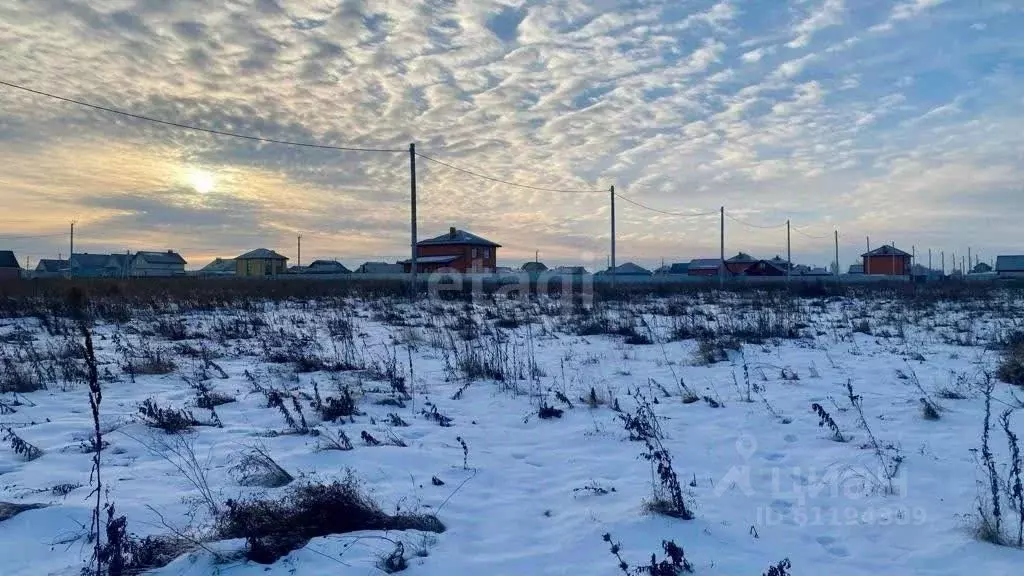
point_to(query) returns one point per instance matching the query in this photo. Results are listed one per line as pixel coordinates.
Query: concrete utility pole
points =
(867, 261)
(943, 262)
(721, 248)
(929, 261)
(611, 194)
(299, 256)
(837, 254)
(789, 253)
(71, 254)
(968, 258)
(412, 215)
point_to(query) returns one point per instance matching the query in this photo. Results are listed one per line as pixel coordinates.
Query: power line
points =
(749, 225)
(666, 212)
(507, 182)
(811, 236)
(195, 128)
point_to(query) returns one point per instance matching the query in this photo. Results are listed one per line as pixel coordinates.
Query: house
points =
(50, 268)
(379, 268)
(326, 267)
(779, 262)
(9, 267)
(856, 269)
(571, 270)
(740, 262)
(219, 267)
(627, 269)
(704, 267)
(887, 260)
(260, 262)
(87, 265)
(679, 268)
(1010, 266)
(763, 268)
(458, 251)
(814, 271)
(981, 268)
(534, 267)
(152, 264)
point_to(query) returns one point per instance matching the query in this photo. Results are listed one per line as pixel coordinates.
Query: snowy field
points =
(528, 429)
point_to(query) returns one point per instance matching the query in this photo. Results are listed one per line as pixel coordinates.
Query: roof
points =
(168, 257)
(379, 268)
(51, 265)
(8, 260)
(261, 254)
(1013, 263)
(328, 266)
(742, 257)
(534, 267)
(856, 269)
(628, 269)
(886, 250)
(220, 265)
(456, 236)
(86, 260)
(432, 260)
(815, 271)
(705, 264)
(570, 270)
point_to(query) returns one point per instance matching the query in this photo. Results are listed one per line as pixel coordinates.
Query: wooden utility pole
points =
(943, 262)
(611, 193)
(299, 257)
(929, 261)
(721, 248)
(968, 258)
(412, 214)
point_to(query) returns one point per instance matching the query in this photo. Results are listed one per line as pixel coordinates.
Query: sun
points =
(201, 181)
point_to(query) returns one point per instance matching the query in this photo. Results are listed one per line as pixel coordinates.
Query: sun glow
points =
(200, 180)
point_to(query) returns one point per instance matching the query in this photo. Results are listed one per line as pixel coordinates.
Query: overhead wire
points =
(811, 236)
(749, 225)
(508, 182)
(666, 212)
(195, 128)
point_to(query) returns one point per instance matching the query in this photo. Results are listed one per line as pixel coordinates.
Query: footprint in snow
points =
(828, 543)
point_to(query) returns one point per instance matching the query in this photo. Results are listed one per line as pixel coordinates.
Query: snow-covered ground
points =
(530, 495)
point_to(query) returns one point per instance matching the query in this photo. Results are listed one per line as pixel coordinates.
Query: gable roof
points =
(856, 269)
(261, 254)
(534, 267)
(51, 265)
(168, 257)
(456, 236)
(431, 260)
(570, 270)
(885, 250)
(1010, 263)
(705, 264)
(8, 260)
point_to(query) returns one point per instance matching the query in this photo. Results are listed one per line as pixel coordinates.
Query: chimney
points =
(451, 232)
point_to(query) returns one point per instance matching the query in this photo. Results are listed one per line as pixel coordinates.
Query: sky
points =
(895, 119)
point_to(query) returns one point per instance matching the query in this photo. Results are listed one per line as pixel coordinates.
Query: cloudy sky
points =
(898, 119)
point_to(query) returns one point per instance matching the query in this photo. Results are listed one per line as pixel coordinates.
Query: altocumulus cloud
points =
(891, 118)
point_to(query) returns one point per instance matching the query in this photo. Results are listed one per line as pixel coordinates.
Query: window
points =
(474, 253)
(487, 252)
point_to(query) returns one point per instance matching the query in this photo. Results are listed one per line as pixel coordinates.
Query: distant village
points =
(464, 252)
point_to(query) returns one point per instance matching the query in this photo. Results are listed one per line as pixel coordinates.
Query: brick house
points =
(706, 267)
(887, 260)
(764, 268)
(456, 251)
(739, 263)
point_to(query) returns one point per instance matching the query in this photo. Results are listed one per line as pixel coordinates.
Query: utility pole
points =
(412, 196)
(536, 256)
(721, 248)
(611, 193)
(71, 254)
(789, 253)
(837, 254)
(867, 261)
(929, 261)
(943, 262)
(968, 258)
(299, 257)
